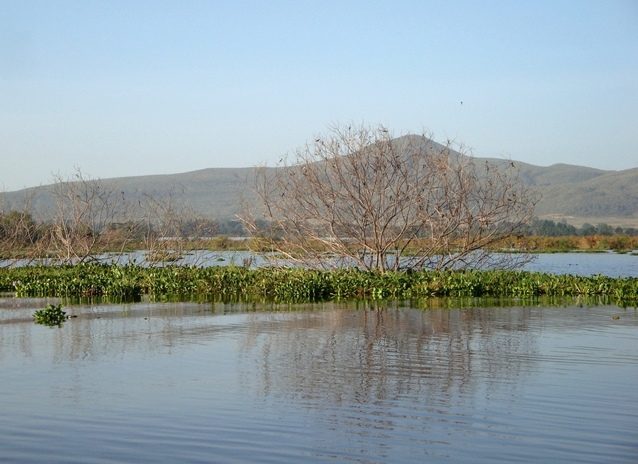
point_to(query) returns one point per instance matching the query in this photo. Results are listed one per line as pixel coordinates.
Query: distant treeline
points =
(76, 240)
(549, 228)
(539, 227)
(26, 230)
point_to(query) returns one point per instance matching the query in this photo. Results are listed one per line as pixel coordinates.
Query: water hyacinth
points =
(51, 316)
(232, 283)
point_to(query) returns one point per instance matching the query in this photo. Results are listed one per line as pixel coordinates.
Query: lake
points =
(607, 263)
(610, 264)
(333, 382)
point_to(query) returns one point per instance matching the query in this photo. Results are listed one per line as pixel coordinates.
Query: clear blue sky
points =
(139, 87)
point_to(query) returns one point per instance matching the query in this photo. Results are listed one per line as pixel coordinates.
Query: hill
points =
(567, 191)
(214, 193)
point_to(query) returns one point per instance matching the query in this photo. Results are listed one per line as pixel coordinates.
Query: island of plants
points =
(52, 315)
(234, 283)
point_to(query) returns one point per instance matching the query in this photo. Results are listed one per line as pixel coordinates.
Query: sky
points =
(123, 88)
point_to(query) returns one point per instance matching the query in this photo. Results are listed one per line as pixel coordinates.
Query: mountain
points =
(579, 191)
(214, 192)
(566, 191)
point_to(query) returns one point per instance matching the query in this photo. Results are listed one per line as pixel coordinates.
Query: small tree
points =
(84, 209)
(169, 224)
(359, 197)
(19, 234)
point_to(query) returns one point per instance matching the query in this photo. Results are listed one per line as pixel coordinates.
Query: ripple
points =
(186, 383)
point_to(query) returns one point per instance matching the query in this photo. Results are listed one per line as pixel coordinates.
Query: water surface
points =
(152, 382)
(609, 264)
(576, 263)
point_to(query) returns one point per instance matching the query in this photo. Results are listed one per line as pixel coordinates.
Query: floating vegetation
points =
(51, 316)
(163, 256)
(234, 283)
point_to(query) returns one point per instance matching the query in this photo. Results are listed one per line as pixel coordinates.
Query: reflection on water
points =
(384, 355)
(187, 382)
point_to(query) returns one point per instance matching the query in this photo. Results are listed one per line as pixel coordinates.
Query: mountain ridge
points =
(216, 193)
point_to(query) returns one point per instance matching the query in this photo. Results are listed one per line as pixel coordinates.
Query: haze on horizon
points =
(149, 87)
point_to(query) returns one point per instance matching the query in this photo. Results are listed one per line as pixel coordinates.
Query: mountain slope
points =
(612, 193)
(565, 190)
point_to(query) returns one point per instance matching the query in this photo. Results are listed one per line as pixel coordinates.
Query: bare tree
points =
(169, 226)
(359, 197)
(18, 229)
(19, 236)
(84, 211)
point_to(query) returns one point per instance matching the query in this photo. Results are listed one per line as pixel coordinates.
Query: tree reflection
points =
(320, 355)
(374, 353)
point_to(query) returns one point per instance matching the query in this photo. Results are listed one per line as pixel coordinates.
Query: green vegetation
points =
(553, 244)
(230, 283)
(52, 316)
(549, 228)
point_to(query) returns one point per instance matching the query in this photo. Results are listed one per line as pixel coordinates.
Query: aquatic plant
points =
(51, 316)
(235, 283)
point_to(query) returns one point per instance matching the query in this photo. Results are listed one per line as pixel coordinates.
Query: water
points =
(155, 383)
(611, 264)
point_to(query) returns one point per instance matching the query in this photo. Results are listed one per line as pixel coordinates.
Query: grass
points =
(231, 283)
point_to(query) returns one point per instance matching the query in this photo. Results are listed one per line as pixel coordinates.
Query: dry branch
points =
(359, 197)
